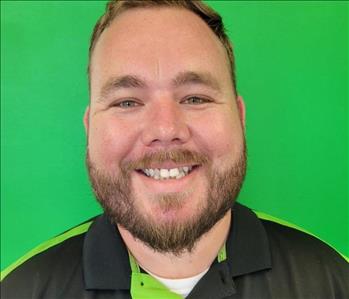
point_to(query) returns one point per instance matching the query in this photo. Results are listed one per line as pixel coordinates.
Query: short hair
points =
(206, 13)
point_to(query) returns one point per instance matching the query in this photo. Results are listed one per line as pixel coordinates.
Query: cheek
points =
(110, 142)
(221, 135)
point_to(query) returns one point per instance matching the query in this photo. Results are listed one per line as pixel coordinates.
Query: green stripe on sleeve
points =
(85, 226)
(78, 230)
(264, 216)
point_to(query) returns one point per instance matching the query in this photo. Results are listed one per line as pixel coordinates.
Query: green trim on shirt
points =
(145, 286)
(78, 230)
(265, 216)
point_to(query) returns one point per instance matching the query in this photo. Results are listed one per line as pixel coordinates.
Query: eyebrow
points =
(119, 82)
(182, 79)
(198, 78)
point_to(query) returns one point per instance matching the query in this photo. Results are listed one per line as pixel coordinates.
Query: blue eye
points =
(194, 100)
(127, 104)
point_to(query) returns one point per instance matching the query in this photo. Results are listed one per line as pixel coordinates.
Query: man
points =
(166, 158)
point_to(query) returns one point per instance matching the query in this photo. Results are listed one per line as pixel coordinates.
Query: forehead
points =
(157, 43)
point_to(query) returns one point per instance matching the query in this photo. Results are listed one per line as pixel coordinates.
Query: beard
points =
(117, 198)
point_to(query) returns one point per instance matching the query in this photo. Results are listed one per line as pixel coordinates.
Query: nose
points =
(165, 125)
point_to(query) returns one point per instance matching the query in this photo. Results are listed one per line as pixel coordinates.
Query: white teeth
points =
(163, 174)
(156, 174)
(174, 172)
(180, 175)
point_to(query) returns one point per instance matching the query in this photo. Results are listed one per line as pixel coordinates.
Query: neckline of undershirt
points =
(181, 286)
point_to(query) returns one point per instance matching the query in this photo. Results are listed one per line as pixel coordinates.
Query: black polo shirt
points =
(264, 260)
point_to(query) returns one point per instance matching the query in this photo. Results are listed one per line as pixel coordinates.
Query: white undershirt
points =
(181, 286)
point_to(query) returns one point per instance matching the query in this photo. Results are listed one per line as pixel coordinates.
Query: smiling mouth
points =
(167, 174)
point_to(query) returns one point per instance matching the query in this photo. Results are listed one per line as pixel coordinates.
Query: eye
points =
(195, 100)
(126, 104)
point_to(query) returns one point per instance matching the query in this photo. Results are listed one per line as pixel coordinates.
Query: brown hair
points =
(206, 13)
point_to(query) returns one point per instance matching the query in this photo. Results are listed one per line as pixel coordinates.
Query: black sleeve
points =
(49, 274)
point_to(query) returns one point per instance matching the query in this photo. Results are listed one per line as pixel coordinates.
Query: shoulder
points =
(294, 241)
(298, 254)
(53, 261)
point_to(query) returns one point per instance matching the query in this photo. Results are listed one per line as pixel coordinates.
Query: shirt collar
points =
(247, 252)
(106, 263)
(105, 258)
(247, 244)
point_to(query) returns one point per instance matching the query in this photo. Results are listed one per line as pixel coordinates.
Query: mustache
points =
(182, 156)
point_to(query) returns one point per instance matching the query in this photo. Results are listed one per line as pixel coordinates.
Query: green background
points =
(292, 67)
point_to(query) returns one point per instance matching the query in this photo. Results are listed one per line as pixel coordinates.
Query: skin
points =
(126, 123)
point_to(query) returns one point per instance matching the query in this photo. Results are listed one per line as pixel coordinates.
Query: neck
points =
(188, 264)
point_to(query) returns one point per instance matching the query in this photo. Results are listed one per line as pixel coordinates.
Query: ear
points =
(242, 110)
(86, 119)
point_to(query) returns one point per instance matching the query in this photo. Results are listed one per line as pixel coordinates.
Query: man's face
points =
(166, 152)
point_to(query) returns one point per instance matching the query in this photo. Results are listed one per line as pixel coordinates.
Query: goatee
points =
(117, 198)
